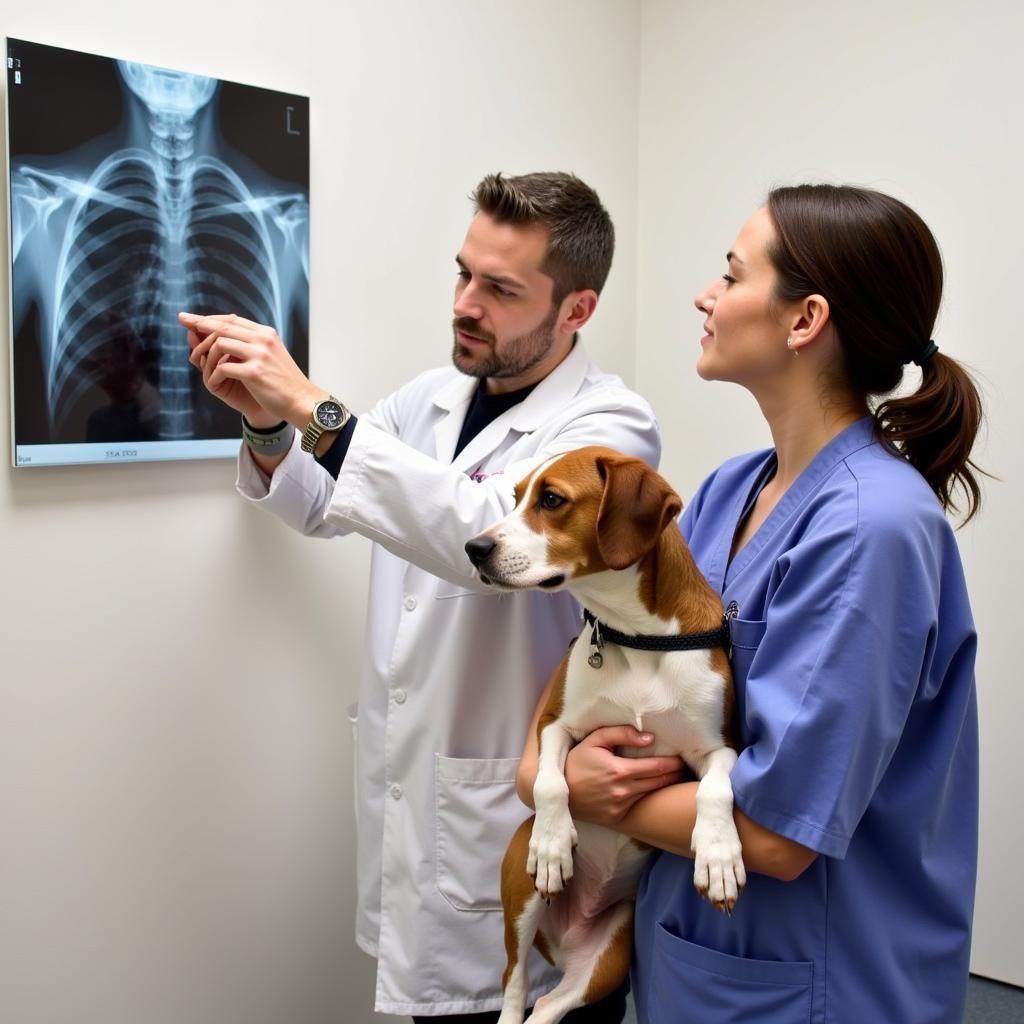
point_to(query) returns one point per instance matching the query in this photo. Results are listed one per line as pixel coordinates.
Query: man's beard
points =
(516, 357)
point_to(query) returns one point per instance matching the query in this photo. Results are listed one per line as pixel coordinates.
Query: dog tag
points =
(596, 659)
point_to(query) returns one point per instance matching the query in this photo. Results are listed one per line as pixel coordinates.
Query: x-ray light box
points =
(136, 192)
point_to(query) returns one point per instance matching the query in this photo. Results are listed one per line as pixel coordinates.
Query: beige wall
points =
(174, 756)
(916, 98)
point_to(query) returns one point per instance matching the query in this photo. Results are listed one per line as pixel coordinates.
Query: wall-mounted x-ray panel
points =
(136, 192)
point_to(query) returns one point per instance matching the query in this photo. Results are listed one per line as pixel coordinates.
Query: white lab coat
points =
(452, 671)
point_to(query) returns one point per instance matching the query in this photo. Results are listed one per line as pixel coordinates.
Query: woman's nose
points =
(705, 300)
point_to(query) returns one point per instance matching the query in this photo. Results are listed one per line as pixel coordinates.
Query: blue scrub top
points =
(853, 656)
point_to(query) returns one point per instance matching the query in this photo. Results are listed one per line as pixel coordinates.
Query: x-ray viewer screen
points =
(136, 192)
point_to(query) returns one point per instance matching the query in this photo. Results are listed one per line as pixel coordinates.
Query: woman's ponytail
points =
(878, 265)
(934, 429)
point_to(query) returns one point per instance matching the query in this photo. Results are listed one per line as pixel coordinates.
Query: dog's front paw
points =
(718, 872)
(550, 858)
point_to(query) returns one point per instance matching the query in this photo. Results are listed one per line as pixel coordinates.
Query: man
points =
(452, 672)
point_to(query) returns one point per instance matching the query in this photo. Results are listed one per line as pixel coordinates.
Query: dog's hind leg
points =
(597, 953)
(523, 909)
(515, 982)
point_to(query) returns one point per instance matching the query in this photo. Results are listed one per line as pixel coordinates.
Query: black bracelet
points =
(246, 425)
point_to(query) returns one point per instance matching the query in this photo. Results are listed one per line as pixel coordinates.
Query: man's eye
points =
(463, 274)
(550, 500)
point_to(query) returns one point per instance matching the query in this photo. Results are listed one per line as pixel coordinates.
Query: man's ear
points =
(636, 506)
(577, 308)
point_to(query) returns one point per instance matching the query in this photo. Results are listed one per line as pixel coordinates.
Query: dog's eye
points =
(550, 500)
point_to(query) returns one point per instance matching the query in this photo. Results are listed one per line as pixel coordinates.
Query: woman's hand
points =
(247, 367)
(603, 786)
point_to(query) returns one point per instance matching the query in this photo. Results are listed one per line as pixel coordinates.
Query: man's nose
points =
(478, 549)
(467, 304)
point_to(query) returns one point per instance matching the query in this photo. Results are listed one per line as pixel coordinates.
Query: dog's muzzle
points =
(481, 550)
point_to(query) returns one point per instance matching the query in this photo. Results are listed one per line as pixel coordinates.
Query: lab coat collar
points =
(550, 396)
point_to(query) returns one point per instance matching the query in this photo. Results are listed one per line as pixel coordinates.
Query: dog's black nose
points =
(478, 549)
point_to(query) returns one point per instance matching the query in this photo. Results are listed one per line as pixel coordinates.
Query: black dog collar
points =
(603, 634)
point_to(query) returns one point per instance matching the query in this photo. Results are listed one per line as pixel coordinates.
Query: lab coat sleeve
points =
(424, 511)
(300, 490)
(850, 622)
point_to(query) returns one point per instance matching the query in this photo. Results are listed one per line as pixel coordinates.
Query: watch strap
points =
(272, 441)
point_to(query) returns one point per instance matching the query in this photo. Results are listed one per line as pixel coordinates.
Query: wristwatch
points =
(328, 415)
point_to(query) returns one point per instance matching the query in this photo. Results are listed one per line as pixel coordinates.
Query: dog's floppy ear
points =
(636, 506)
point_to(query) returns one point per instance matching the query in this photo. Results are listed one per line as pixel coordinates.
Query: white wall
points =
(920, 99)
(174, 773)
(174, 756)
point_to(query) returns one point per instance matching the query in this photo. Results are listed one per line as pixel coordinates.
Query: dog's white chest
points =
(675, 695)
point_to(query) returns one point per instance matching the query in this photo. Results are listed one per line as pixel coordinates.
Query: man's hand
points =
(247, 367)
(604, 786)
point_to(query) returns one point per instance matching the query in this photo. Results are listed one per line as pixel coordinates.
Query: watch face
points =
(329, 415)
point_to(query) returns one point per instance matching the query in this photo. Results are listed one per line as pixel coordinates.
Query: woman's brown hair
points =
(878, 265)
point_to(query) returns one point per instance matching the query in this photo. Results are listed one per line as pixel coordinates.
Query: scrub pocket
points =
(476, 811)
(746, 636)
(690, 984)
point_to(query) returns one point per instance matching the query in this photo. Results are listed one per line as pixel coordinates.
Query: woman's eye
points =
(550, 500)
(728, 279)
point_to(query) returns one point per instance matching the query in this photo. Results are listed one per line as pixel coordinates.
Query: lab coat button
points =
(410, 603)
(396, 792)
(399, 696)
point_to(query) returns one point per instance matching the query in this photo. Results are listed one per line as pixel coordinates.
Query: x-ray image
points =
(136, 192)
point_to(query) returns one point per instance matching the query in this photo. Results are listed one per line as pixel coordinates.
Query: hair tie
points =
(926, 353)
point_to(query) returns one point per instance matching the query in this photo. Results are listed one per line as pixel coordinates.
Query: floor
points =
(990, 1002)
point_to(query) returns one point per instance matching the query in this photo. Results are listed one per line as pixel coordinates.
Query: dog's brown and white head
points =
(589, 511)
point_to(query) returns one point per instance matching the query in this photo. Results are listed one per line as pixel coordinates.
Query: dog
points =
(602, 526)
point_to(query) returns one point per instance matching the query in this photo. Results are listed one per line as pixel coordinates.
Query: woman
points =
(853, 644)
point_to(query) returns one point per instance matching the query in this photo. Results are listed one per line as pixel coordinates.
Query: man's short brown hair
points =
(581, 238)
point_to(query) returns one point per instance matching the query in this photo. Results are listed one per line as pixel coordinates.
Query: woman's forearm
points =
(666, 817)
(656, 808)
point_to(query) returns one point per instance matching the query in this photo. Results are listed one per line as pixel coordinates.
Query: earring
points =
(789, 345)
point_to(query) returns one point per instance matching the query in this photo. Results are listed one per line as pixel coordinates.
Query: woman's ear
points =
(809, 321)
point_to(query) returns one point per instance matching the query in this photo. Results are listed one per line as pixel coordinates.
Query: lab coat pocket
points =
(691, 984)
(477, 810)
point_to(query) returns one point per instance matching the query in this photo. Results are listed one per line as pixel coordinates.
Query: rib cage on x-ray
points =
(156, 230)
